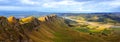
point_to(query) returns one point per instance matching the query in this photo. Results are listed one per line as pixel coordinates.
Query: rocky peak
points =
(27, 19)
(47, 18)
(53, 15)
(12, 20)
(43, 18)
(30, 20)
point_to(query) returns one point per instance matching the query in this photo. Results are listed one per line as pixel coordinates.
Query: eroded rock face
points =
(8, 32)
(12, 20)
(27, 19)
(47, 18)
(43, 18)
(52, 16)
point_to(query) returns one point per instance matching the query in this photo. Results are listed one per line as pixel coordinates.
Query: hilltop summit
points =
(47, 18)
(12, 20)
(43, 18)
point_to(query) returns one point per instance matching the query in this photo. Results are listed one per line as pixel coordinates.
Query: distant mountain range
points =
(7, 13)
(23, 13)
(20, 14)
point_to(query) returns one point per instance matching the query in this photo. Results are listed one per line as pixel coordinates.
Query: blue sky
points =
(61, 5)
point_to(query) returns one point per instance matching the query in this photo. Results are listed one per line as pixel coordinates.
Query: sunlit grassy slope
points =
(103, 30)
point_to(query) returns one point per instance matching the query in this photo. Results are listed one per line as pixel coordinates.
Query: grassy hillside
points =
(49, 28)
(98, 25)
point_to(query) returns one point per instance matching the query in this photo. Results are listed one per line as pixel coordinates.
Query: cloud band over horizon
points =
(61, 5)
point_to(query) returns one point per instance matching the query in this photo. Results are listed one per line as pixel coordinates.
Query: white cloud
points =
(82, 9)
(70, 5)
(29, 2)
(114, 3)
(19, 8)
(9, 7)
(62, 4)
(48, 6)
(65, 5)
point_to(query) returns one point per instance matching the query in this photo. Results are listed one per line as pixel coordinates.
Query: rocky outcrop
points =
(47, 18)
(27, 19)
(12, 20)
(8, 31)
(43, 18)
